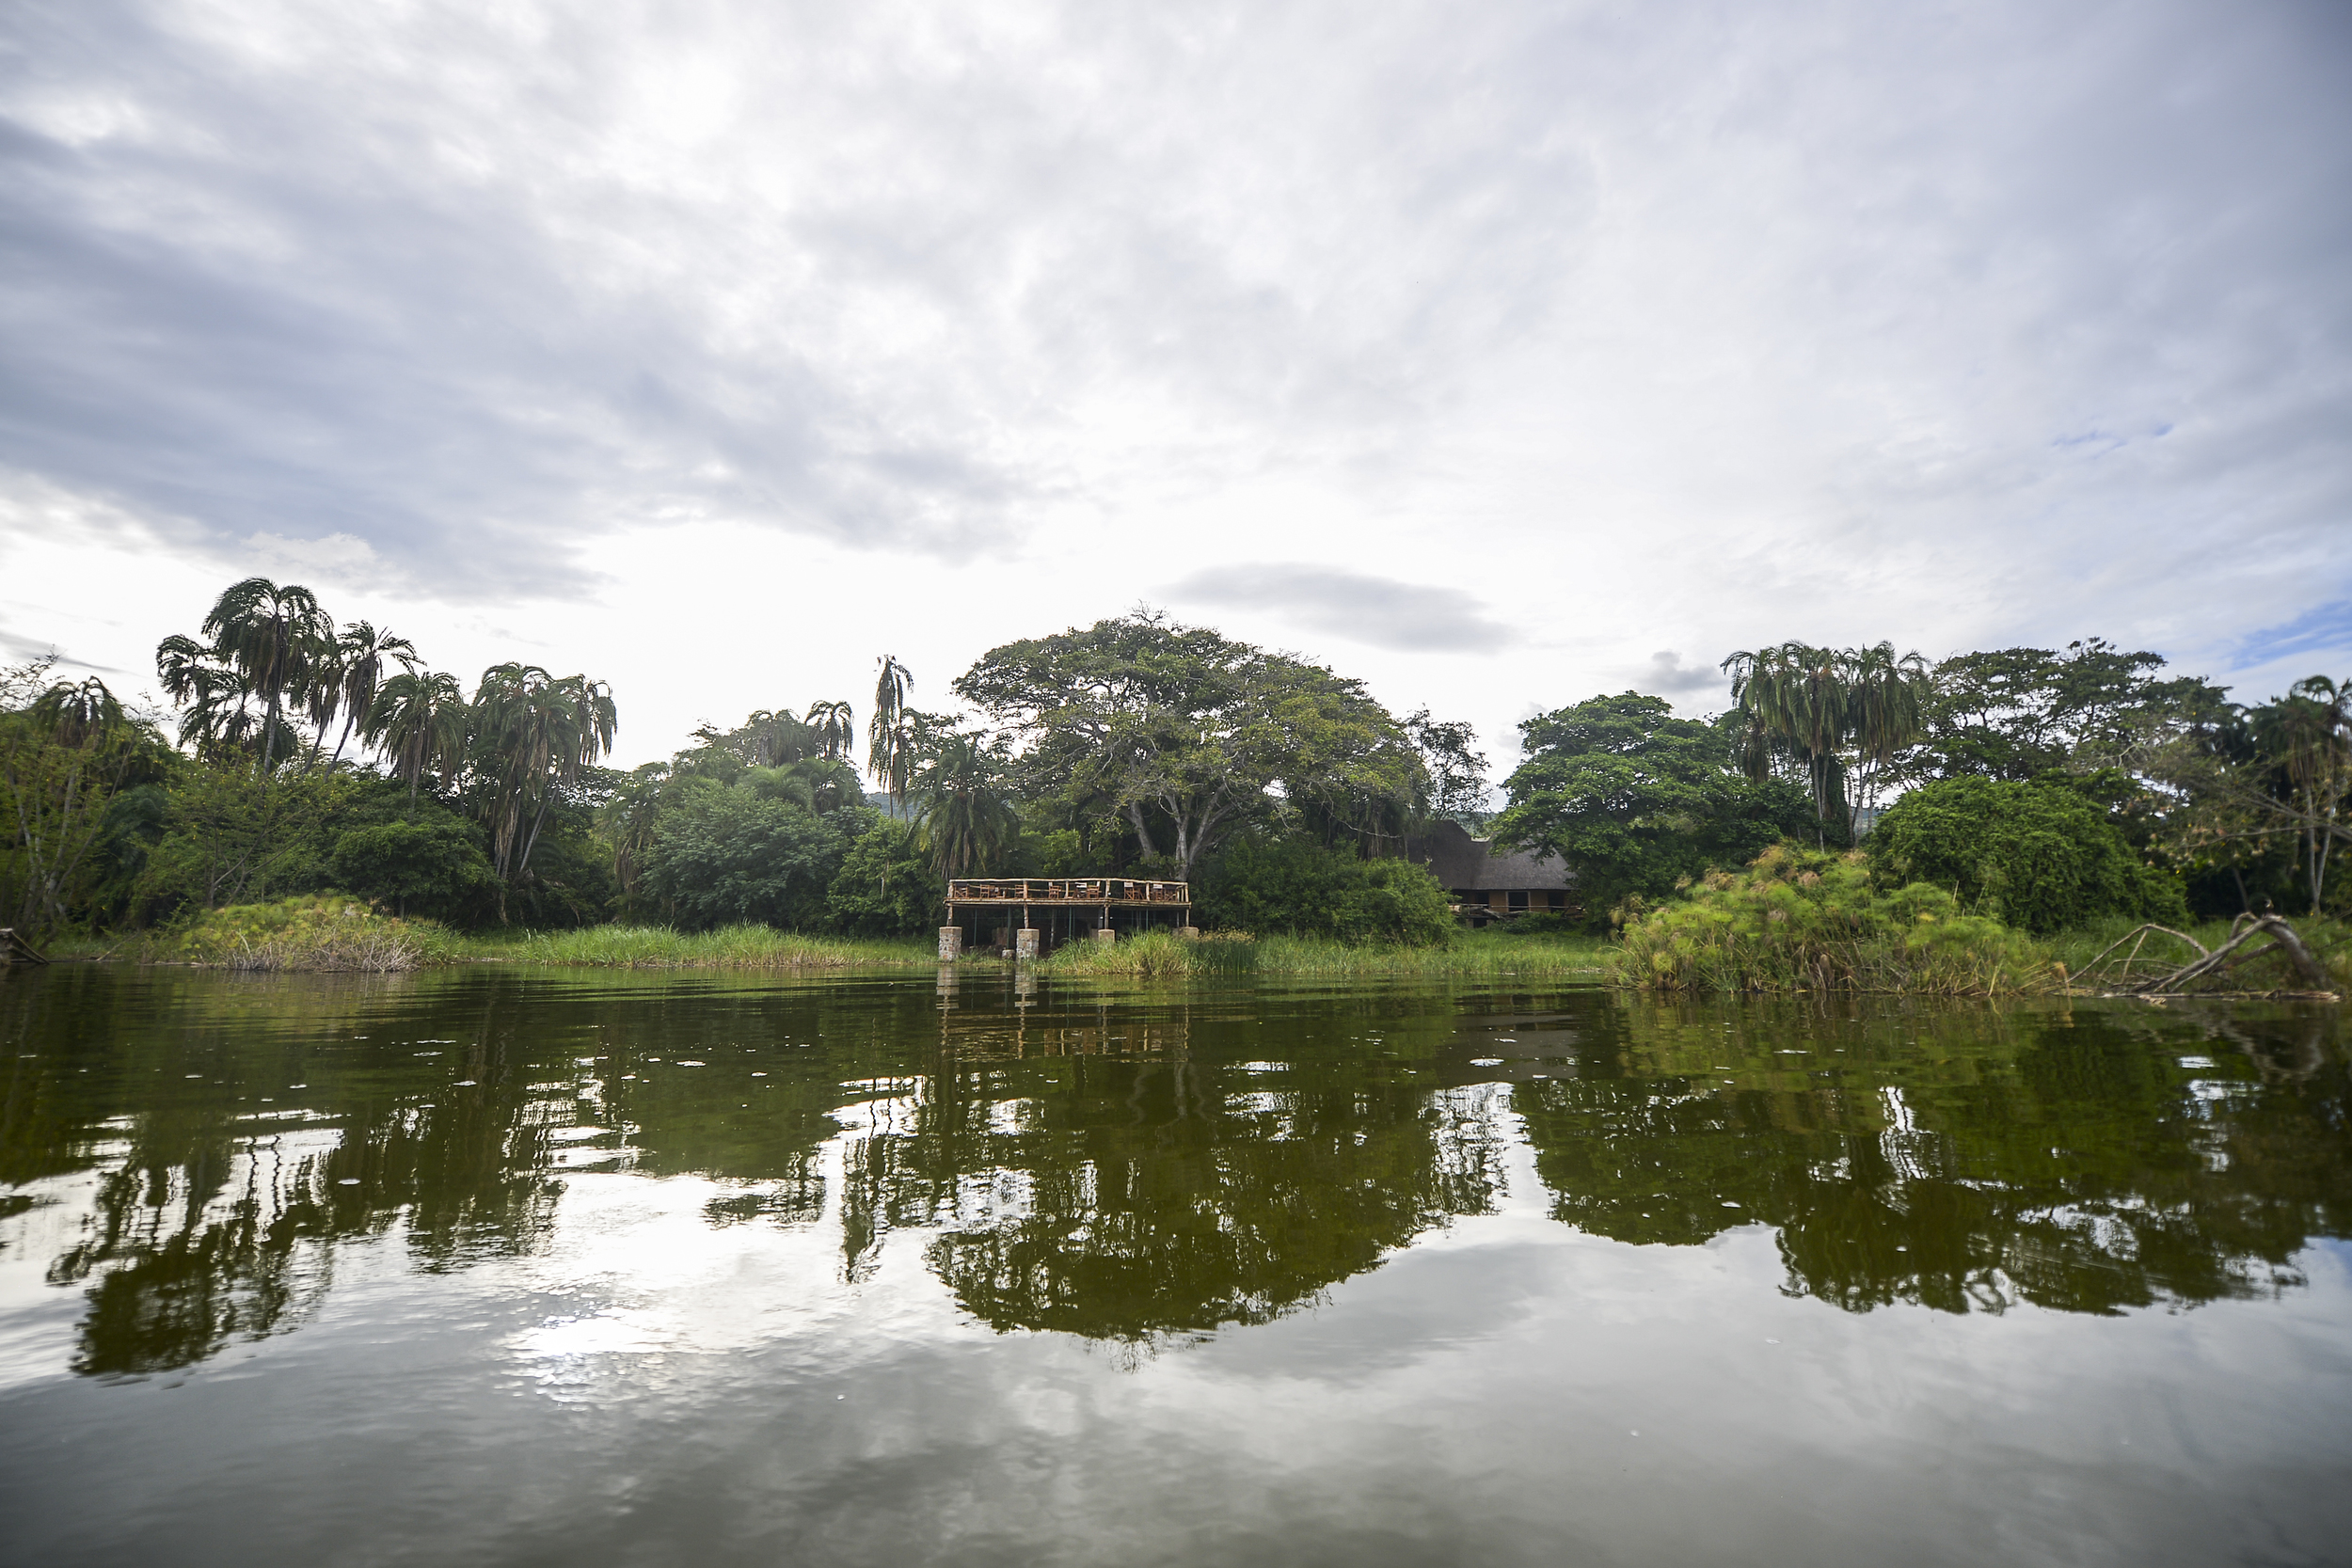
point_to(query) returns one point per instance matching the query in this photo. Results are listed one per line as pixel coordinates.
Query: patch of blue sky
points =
(2327, 628)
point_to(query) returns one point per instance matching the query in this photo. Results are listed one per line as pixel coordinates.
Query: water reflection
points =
(195, 1153)
(1962, 1160)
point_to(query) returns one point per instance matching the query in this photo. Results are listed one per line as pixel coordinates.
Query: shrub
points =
(1801, 920)
(725, 856)
(885, 886)
(314, 932)
(2038, 856)
(434, 867)
(1300, 888)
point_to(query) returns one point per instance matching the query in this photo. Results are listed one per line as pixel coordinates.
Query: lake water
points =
(505, 1266)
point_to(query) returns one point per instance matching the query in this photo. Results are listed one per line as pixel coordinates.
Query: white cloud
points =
(1379, 611)
(1618, 326)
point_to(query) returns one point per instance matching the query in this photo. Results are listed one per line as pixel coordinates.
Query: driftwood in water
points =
(2246, 928)
(14, 949)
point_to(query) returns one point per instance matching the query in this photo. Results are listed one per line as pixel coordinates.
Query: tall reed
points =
(728, 947)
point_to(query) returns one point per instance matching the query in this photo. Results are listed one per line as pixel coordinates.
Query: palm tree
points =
(890, 742)
(835, 727)
(1886, 699)
(2308, 732)
(538, 732)
(216, 695)
(60, 760)
(630, 817)
(347, 678)
(1838, 715)
(965, 823)
(418, 719)
(271, 635)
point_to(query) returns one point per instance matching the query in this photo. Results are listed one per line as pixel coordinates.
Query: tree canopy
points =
(1188, 735)
(1635, 799)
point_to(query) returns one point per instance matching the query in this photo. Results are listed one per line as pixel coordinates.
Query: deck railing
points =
(1097, 891)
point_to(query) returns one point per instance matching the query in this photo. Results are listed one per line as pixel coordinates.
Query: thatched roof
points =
(1467, 864)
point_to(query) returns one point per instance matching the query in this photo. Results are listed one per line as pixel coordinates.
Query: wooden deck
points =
(1097, 891)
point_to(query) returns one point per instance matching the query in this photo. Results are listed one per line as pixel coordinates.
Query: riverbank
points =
(1953, 955)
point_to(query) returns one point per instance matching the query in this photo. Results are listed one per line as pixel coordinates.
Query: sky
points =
(1500, 354)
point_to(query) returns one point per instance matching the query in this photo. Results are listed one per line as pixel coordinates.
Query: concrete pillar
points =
(950, 944)
(1025, 942)
(1190, 933)
(1103, 933)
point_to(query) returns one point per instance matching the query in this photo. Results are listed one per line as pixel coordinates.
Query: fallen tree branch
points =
(2229, 955)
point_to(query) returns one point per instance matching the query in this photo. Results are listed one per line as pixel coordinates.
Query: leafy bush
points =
(1801, 920)
(1542, 924)
(886, 885)
(2038, 856)
(725, 856)
(434, 867)
(1300, 888)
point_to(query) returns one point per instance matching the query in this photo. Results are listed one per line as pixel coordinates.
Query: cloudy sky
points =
(1500, 354)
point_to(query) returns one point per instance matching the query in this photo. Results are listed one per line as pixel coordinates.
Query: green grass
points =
(1471, 956)
(309, 932)
(729, 947)
(1157, 956)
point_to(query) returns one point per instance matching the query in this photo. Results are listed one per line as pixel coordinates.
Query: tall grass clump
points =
(1154, 956)
(1797, 920)
(728, 947)
(1480, 955)
(313, 932)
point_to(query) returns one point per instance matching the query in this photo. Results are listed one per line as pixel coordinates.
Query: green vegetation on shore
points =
(1810, 920)
(1470, 956)
(728, 947)
(2032, 798)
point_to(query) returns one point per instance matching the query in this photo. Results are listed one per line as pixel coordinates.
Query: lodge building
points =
(1490, 884)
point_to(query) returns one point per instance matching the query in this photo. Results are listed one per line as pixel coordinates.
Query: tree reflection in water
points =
(195, 1152)
(1963, 1159)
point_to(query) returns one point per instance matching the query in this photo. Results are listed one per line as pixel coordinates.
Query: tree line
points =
(303, 755)
(2050, 786)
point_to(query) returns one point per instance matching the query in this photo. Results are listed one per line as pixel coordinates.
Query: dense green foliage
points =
(727, 854)
(2055, 788)
(1296, 887)
(1834, 718)
(1635, 800)
(886, 885)
(1804, 920)
(433, 868)
(2038, 856)
(1182, 738)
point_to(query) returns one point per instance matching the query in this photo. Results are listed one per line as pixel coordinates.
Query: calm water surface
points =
(517, 1267)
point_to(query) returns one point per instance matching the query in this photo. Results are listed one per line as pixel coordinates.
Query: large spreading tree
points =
(1187, 735)
(1633, 800)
